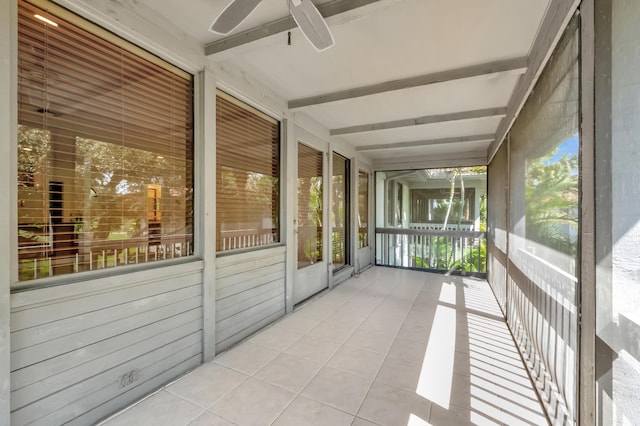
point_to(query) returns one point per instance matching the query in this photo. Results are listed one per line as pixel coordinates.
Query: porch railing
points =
(433, 250)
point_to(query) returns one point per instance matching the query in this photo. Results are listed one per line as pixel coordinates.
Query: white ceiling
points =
(382, 42)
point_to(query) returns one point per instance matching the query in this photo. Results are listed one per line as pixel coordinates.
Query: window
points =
(105, 149)
(247, 176)
(310, 206)
(432, 205)
(341, 205)
(363, 209)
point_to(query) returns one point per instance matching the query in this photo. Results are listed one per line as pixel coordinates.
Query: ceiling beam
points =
(466, 159)
(419, 121)
(417, 144)
(287, 23)
(516, 64)
(558, 15)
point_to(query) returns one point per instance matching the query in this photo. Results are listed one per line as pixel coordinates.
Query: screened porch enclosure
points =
(169, 194)
(432, 219)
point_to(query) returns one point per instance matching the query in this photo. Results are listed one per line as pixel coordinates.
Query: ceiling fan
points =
(304, 12)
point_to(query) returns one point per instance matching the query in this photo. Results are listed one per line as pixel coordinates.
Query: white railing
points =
(433, 250)
(246, 238)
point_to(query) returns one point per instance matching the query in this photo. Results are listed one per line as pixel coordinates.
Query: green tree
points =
(552, 202)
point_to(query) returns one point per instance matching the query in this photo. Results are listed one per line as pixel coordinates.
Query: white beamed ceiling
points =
(385, 41)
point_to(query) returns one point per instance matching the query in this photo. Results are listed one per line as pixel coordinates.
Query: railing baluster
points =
(400, 247)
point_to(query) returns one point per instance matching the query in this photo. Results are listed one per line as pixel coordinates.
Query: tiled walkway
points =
(392, 347)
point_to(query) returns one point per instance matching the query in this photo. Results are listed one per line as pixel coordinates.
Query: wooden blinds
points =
(105, 149)
(247, 176)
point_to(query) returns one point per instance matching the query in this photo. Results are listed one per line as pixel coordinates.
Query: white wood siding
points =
(82, 351)
(250, 293)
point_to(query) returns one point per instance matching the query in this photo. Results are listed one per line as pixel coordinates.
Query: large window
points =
(247, 176)
(105, 149)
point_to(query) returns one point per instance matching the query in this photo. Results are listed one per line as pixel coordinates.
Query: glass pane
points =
(247, 176)
(105, 173)
(310, 202)
(340, 212)
(363, 209)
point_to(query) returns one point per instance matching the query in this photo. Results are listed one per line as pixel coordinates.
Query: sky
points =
(571, 146)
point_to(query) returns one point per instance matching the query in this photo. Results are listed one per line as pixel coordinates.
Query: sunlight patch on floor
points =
(417, 421)
(436, 375)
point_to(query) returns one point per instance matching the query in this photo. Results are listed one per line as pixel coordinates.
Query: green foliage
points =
(552, 202)
(447, 255)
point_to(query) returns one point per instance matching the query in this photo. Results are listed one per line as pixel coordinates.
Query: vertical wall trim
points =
(205, 189)
(327, 230)
(603, 22)
(507, 198)
(290, 217)
(8, 201)
(354, 167)
(587, 294)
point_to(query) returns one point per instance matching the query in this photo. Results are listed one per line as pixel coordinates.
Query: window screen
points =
(247, 176)
(105, 149)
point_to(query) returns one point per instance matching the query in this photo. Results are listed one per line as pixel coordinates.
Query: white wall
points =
(619, 293)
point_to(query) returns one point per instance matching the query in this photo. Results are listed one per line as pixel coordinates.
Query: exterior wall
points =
(618, 212)
(250, 293)
(84, 350)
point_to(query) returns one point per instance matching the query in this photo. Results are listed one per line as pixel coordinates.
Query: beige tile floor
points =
(391, 347)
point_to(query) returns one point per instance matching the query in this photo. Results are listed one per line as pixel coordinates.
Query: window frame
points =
(57, 12)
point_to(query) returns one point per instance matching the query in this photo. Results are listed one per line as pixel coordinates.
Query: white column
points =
(205, 190)
(8, 200)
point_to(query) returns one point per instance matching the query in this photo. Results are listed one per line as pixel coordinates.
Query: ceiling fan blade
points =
(233, 15)
(312, 24)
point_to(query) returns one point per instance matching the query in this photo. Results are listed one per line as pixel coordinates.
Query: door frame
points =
(320, 271)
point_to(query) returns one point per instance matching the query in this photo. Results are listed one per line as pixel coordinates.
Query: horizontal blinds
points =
(105, 149)
(247, 175)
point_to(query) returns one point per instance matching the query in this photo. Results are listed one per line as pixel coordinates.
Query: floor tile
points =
(452, 416)
(210, 419)
(254, 402)
(247, 358)
(159, 409)
(362, 422)
(399, 373)
(416, 332)
(408, 350)
(353, 359)
(333, 330)
(338, 388)
(313, 348)
(305, 411)
(391, 406)
(289, 371)
(278, 337)
(371, 340)
(207, 384)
